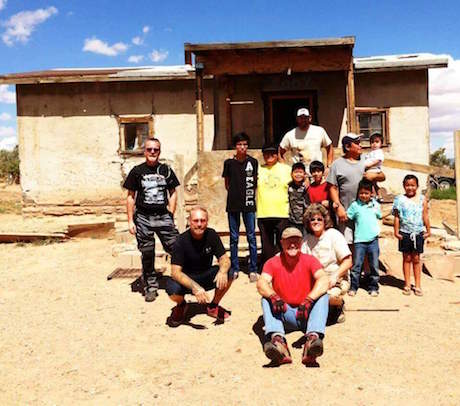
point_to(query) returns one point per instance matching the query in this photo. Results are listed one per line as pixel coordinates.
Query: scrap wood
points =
(450, 230)
(28, 237)
(93, 228)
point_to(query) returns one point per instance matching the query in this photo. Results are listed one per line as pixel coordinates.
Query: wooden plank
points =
(199, 111)
(275, 61)
(91, 229)
(411, 166)
(457, 176)
(29, 237)
(351, 105)
(349, 40)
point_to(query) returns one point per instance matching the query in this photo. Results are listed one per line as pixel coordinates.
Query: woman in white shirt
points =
(329, 246)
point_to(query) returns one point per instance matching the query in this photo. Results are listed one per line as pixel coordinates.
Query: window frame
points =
(385, 124)
(133, 120)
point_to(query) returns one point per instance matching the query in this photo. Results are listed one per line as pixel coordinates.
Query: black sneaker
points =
(177, 316)
(151, 295)
(312, 349)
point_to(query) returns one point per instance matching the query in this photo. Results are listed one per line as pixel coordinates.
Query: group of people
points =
(317, 225)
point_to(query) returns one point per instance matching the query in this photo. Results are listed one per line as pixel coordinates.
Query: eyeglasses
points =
(316, 219)
(152, 149)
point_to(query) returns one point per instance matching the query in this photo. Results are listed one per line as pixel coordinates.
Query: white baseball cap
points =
(303, 112)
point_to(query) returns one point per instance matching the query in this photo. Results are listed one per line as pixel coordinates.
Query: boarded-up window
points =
(372, 120)
(133, 133)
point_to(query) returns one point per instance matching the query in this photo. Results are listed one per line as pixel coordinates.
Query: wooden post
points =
(188, 57)
(199, 107)
(457, 176)
(228, 111)
(351, 105)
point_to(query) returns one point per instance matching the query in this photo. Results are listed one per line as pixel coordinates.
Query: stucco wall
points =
(405, 93)
(69, 135)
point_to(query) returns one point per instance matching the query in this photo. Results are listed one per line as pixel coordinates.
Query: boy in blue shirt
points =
(365, 211)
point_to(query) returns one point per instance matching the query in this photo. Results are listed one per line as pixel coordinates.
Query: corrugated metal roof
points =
(67, 75)
(400, 62)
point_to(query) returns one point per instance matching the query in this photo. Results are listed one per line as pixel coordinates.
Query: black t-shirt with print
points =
(242, 184)
(299, 200)
(195, 256)
(152, 184)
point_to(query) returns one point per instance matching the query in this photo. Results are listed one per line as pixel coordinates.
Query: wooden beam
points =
(351, 104)
(199, 111)
(457, 176)
(350, 41)
(272, 61)
(187, 57)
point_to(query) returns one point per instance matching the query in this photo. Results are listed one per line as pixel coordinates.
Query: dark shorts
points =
(414, 244)
(204, 279)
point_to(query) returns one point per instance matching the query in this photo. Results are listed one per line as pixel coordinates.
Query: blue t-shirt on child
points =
(365, 216)
(410, 213)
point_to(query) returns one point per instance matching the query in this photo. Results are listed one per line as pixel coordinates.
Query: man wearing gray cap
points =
(306, 140)
(293, 287)
(345, 174)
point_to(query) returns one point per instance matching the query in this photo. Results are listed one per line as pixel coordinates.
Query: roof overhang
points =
(312, 55)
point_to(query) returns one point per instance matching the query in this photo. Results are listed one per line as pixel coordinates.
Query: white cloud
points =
(135, 58)
(5, 117)
(137, 41)
(145, 29)
(444, 90)
(7, 132)
(2, 4)
(100, 47)
(8, 143)
(21, 25)
(158, 55)
(7, 96)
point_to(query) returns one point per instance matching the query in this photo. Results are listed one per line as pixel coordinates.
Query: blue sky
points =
(40, 34)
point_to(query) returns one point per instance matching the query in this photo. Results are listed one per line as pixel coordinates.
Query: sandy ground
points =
(69, 336)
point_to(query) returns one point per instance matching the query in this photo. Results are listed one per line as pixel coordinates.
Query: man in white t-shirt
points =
(306, 140)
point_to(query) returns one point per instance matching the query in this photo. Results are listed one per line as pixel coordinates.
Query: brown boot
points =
(312, 349)
(277, 350)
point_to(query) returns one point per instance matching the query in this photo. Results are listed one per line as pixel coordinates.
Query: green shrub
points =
(446, 194)
(9, 163)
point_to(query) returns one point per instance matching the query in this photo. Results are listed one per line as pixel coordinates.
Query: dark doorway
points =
(281, 109)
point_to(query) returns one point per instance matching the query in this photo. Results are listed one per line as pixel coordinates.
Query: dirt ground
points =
(69, 336)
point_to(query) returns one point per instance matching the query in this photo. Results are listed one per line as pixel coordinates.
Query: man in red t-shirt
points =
(293, 288)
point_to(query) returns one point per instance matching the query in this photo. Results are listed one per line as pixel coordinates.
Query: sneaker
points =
(253, 277)
(341, 317)
(312, 349)
(352, 293)
(177, 316)
(218, 312)
(374, 293)
(151, 294)
(277, 350)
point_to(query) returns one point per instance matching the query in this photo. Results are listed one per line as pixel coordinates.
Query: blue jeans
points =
(371, 249)
(249, 219)
(276, 323)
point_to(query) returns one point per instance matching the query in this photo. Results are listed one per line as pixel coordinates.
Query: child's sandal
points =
(406, 290)
(418, 292)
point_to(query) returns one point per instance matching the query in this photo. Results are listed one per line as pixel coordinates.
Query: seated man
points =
(293, 288)
(192, 271)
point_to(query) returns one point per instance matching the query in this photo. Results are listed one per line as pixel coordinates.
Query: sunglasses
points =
(316, 219)
(152, 149)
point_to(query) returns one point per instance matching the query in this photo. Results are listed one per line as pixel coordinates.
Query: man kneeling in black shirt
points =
(192, 271)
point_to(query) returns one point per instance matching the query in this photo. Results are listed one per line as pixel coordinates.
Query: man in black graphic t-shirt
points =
(192, 271)
(240, 174)
(152, 193)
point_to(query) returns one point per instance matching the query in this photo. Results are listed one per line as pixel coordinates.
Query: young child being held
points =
(318, 191)
(298, 197)
(411, 228)
(375, 158)
(365, 212)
